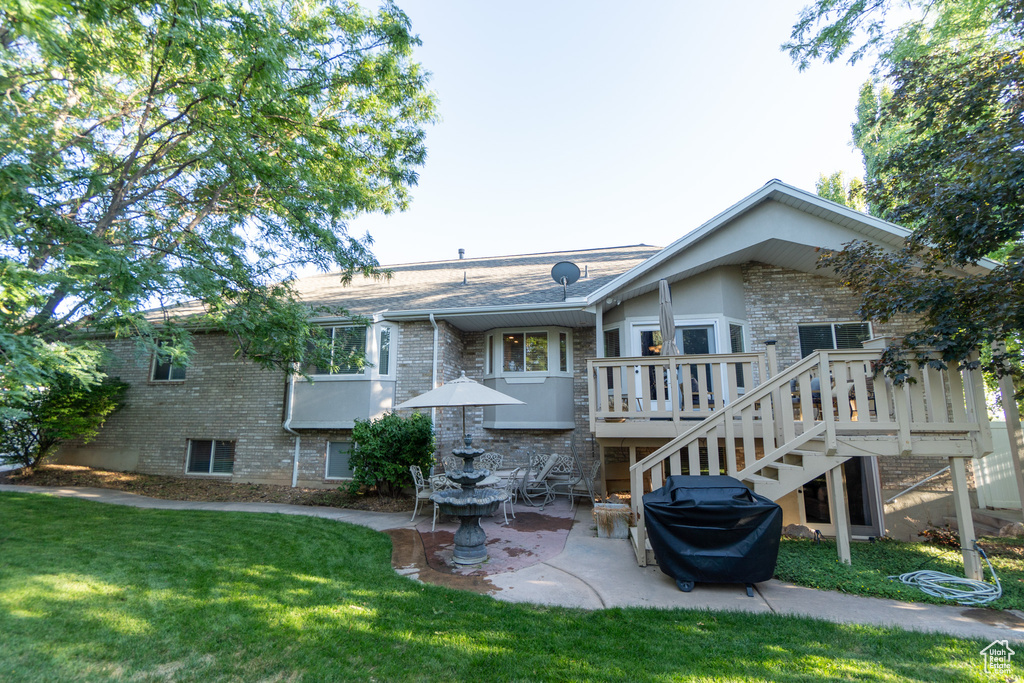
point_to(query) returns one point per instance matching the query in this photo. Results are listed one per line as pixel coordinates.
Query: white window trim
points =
(496, 336)
(636, 325)
(213, 445)
(832, 326)
(623, 342)
(745, 332)
(152, 372)
(372, 358)
(327, 460)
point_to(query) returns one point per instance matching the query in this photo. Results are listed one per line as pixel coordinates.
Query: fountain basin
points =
(469, 505)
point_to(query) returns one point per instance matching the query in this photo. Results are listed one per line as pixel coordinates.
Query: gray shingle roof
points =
(492, 281)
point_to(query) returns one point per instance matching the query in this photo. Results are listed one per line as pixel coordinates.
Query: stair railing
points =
(823, 396)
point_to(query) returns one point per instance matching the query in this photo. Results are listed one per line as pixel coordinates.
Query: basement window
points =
(338, 454)
(208, 456)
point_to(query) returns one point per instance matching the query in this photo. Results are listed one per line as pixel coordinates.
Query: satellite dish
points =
(565, 273)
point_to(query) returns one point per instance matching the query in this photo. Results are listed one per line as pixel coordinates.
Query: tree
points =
(836, 188)
(62, 411)
(154, 152)
(943, 140)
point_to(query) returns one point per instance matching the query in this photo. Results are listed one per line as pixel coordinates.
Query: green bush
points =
(34, 422)
(386, 447)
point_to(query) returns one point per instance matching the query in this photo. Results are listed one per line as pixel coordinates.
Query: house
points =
(750, 308)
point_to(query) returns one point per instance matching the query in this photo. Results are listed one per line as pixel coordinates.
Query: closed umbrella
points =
(461, 393)
(666, 320)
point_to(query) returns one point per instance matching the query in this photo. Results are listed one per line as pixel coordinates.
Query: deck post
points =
(840, 513)
(773, 359)
(1013, 429)
(964, 520)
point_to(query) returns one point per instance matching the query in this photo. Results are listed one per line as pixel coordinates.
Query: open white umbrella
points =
(461, 393)
(666, 320)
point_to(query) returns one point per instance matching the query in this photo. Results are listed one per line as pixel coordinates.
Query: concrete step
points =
(980, 529)
(997, 518)
(649, 552)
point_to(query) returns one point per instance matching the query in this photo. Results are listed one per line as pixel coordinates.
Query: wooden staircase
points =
(809, 419)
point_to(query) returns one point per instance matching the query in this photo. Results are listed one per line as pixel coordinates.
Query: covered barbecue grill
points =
(714, 530)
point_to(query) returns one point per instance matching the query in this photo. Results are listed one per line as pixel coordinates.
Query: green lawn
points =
(816, 565)
(102, 592)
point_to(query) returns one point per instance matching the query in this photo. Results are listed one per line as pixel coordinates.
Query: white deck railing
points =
(825, 397)
(669, 387)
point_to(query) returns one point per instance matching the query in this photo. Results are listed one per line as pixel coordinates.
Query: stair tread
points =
(785, 466)
(758, 479)
(803, 452)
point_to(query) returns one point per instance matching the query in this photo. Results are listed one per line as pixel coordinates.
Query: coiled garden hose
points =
(949, 587)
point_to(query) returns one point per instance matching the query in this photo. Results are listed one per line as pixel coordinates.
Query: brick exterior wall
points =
(224, 397)
(778, 300)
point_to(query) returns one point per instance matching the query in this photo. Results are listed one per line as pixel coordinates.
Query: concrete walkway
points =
(594, 573)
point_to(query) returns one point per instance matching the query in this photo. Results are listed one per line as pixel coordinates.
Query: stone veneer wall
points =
(778, 300)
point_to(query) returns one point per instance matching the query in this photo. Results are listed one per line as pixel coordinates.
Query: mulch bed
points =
(199, 489)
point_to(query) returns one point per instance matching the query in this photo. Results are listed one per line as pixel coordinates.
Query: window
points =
(736, 338)
(540, 351)
(348, 343)
(338, 454)
(525, 352)
(164, 370)
(612, 345)
(384, 351)
(833, 336)
(206, 456)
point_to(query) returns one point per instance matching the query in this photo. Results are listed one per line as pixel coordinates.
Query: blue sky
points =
(571, 124)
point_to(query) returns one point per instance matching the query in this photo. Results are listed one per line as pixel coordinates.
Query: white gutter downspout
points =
(433, 376)
(288, 428)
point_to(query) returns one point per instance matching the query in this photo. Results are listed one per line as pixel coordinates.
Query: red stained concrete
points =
(533, 536)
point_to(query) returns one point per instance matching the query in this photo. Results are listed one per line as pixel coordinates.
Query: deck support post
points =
(1013, 429)
(840, 513)
(964, 520)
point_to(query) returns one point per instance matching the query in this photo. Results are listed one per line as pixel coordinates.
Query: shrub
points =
(33, 423)
(386, 447)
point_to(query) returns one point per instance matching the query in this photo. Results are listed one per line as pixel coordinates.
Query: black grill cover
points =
(713, 529)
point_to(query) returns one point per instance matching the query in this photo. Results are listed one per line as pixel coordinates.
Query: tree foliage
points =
(35, 423)
(943, 140)
(154, 152)
(385, 448)
(836, 188)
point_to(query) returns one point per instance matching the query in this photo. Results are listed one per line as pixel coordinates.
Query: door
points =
(862, 500)
(690, 340)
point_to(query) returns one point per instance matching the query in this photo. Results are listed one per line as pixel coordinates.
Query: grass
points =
(103, 592)
(816, 565)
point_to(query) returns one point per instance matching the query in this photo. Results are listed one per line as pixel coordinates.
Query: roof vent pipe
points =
(462, 253)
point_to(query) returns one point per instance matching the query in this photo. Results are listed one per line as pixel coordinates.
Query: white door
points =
(690, 340)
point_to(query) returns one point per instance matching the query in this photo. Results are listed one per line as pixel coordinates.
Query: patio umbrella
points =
(461, 393)
(666, 320)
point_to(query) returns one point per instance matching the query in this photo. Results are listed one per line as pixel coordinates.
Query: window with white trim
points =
(338, 454)
(347, 343)
(209, 456)
(384, 351)
(536, 351)
(164, 370)
(826, 336)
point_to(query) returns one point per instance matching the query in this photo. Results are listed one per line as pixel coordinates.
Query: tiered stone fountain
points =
(469, 505)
